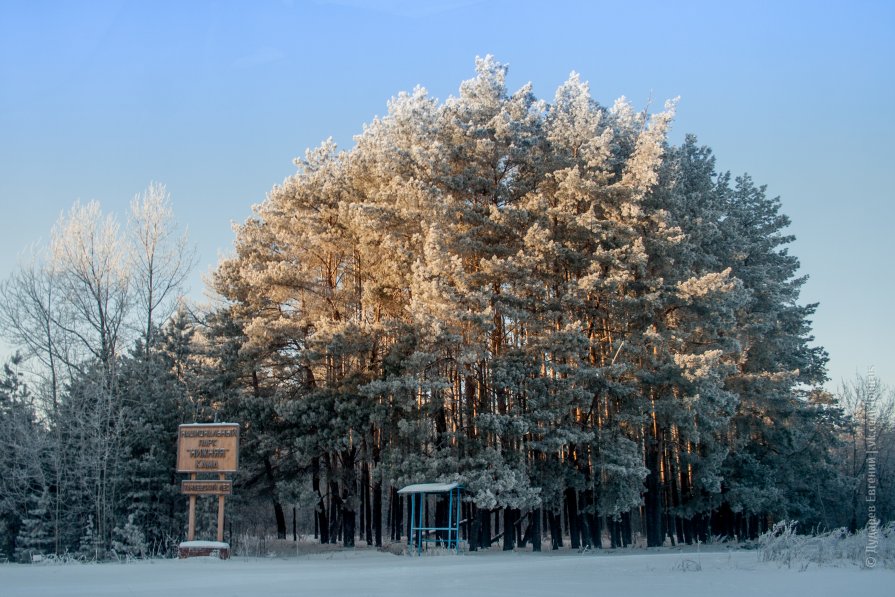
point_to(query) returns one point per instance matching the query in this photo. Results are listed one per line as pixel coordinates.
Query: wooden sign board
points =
(204, 487)
(208, 448)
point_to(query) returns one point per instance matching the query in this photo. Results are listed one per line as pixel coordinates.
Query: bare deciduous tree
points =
(93, 278)
(161, 258)
(29, 313)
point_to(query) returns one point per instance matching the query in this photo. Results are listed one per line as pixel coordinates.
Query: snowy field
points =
(492, 574)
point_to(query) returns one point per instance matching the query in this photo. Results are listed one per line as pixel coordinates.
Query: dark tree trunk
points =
(349, 487)
(674, 497)
(441, 508)
(555, 520)
(294, 524)
(473, 528)
(596, 532)
(277, 507)
(719, 521)
(349, 519)
(335, 510)
(589, 527)
(509, 530)
(703, 528)
(615, 534)
(377, 496)
(321, 525)
(525, 537)
(397, 515)
(535, 530)
(410, 512)
(361, 492)
(367, 512)
(626, 529)
(281, 519)
(653, 497)
(323, 521)
(574, 527)
(485, 518)
(753, 527)
(377, 513)
(392, 514)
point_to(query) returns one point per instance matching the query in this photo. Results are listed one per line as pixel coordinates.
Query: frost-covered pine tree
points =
(774, 380)
(35, 536)
(129, 541)
(24, 458)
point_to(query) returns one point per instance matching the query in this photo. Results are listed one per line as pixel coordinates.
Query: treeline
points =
(89, 404)
(545, 302)
(591, 329)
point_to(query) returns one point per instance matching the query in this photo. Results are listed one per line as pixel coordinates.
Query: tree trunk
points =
(536, 530)
(409, 522)
(674, 497)
(377, 495)
(572, 508)
(589, 527)
(349, 487)
(441, 508)
(485, 526)
(377, 513)
(626, 529)
(703, 528)
(321, 525)
(653, 497)
(555, 529)
(349, 523)
(509, 530)
(474, 528)
(335, 510)
(396, 516)
(361, 491)
(277, 507)
(281, 519)
(596, 532)
(367, 513)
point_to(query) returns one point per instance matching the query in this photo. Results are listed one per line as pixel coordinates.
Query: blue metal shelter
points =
(421, 533)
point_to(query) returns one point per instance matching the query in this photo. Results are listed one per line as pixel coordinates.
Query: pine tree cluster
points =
(591, 329)
(546, 302)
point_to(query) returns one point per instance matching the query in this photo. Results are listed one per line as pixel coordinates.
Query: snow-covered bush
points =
(248, 545)
(90, 547)
(35, 538)
(867, 548)
(129, 542)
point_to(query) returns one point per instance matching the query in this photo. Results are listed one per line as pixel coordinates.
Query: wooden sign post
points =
(209, 449)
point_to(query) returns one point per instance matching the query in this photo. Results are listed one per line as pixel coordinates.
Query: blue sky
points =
(215, 99)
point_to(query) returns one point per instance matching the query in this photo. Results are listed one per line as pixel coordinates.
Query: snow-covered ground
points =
(493, 574)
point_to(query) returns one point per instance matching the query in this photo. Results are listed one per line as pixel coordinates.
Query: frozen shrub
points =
(129, 541)
(868, 547)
